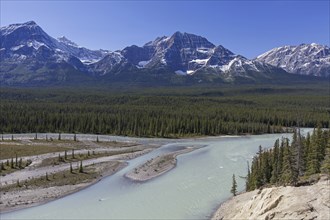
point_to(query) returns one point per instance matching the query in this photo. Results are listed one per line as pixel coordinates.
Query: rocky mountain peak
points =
(186, 40)
(66, 41)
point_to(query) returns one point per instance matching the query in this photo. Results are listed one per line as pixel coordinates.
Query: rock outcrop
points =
(304, 202)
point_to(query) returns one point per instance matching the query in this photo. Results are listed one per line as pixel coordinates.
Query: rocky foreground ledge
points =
(304, 202)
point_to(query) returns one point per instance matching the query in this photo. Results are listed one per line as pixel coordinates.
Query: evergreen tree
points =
(288, 174)
(20, 163)
(275, 163)
(313, 163)
(234, 186)
(325, 168)
(12, 163)
(81, 169)
(248, 178)
(71, 169)
(65, 155)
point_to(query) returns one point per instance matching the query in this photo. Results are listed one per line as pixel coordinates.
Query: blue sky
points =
(248, 28)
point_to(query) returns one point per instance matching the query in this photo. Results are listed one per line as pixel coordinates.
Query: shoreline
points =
(60, 191)
(30, 187)
(157, 166)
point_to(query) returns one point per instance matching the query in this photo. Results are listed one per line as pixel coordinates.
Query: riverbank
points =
(26, 196)
(304, 202)
(156, 166)
(50, 176)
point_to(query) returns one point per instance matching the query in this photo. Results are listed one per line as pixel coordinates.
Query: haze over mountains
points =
(30, 56)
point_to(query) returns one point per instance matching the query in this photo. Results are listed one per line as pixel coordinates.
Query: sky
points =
(248, 28)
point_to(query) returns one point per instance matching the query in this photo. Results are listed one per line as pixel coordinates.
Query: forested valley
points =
(164, 112)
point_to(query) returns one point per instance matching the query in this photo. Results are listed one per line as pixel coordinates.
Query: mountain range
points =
(30, 56)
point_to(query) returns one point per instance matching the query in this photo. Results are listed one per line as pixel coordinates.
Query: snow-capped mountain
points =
(305, 59)
(187, 54)
(29, 54)
(22, 41)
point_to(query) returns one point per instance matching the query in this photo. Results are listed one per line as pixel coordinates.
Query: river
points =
(192, 190)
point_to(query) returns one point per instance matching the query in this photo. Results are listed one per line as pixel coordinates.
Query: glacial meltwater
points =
(192, 190)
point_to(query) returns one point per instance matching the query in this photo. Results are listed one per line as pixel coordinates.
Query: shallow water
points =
(193, 190)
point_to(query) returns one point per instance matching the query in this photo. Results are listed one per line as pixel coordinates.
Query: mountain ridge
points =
(28, 54)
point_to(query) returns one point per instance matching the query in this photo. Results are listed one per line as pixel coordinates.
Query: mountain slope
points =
(188, 55)
(30, 56)
(305, 59)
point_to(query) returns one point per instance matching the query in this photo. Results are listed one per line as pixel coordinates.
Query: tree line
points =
(291, 163)
(159, 115)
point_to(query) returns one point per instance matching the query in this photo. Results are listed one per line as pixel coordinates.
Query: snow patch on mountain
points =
(306, 59)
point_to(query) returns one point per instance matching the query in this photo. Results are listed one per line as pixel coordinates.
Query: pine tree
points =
(313, 163)
(2, 166)
(288, 175)
(16, 160)
(234, 186)
(298, 152)
(275, 163)
(248, 178)
(20, 163)
(12, 163)
(81, 169)
(325, 168)
(71, 169)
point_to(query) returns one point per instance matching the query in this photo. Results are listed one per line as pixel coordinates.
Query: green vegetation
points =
(164, 112)
(67, 177)
(9, 149)
(234, 186)
(9, 167)
(53, 161)
(294, 164)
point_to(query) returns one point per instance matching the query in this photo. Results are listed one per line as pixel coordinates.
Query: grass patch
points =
(11, 149)
(53, 161)
(62, 178)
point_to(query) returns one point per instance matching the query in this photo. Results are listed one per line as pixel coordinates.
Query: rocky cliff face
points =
(305, 59)
(304, 202)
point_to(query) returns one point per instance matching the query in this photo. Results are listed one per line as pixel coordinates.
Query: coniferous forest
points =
(292, 163)
(164, 112)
